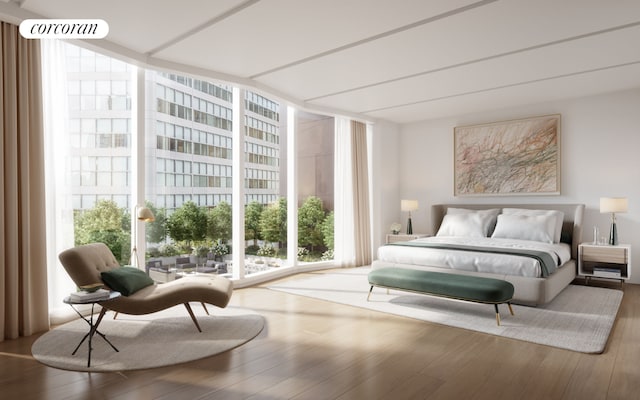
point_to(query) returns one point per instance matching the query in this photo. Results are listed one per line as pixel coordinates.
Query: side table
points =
(604, 262)
(93, 327)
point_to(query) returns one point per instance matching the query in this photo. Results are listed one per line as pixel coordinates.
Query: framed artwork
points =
(518, 157)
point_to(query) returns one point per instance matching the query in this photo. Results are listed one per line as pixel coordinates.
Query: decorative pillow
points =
(557, 215)
(488, 217)
(126, 280)
(539, 228)
(467, 225)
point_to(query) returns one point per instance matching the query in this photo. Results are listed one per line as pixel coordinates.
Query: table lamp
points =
(613, 205)
(409, 205)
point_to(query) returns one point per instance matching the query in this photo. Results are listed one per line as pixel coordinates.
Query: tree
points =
(105, 223)
(252, 215)
(187, 224)
(310, 217)
(219, 224)
(156, 231)
(328, 231)
(273, 222)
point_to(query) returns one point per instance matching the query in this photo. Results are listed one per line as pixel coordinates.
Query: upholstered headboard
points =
(571, 227)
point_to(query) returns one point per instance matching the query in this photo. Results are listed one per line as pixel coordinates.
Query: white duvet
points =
(476, 261)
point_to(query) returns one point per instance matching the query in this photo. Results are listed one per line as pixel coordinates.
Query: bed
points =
(533, 246)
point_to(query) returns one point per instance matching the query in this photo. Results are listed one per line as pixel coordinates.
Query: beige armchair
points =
(85, 263)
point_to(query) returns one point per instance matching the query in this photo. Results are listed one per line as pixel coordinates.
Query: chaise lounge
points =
(85, 265)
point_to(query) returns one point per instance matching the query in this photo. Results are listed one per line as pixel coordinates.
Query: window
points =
(188, 159)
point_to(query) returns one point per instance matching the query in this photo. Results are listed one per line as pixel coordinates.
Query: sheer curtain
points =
(23, 273)
(59, 231)
(352, 216)
(360, 194)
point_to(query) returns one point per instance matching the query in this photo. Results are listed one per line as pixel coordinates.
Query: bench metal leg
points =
(498, 312)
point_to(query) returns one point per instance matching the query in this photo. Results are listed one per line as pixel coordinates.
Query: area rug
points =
(148, 341)
(580, 318)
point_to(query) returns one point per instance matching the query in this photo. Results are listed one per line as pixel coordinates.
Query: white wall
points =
(385, 186)
(600, 155)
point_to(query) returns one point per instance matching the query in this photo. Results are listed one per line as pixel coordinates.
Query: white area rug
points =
(148, 341)
(580, 318)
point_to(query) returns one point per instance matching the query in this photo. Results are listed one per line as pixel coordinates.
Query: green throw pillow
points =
(126, 280)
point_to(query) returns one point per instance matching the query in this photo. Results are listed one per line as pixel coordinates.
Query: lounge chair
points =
(86, 263)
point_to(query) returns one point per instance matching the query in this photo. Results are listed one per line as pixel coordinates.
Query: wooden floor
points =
(312, 349)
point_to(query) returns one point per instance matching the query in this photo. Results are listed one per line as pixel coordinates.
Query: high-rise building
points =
(188, 137)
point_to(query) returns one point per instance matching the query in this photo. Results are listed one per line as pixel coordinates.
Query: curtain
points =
(23, 273)
(59, 206)
(352, 216)
(344, 249)
(360, 182)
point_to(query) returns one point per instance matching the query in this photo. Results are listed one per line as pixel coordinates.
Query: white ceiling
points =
(399, 60)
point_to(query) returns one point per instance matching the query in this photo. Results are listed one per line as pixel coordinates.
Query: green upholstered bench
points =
(461, 287)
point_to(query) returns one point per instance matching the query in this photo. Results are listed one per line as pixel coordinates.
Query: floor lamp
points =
(409, 205)
(143, 214)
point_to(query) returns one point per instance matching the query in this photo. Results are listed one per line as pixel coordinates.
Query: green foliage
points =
(266, 250)
(328, 232)
(219, 248)
(327, 255)
(156, 231)
(201, 251)
(310, 217)
(302, 253)
(118, 241)
(252, 250)
(273, 222)
(105, 223)
(168, 250)
(219, 223)
(252, 214)
(187, 224)
(104, 216)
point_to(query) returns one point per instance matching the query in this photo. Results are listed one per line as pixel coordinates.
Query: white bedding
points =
(477, 261)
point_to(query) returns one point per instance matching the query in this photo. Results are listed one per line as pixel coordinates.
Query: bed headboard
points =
(571, 227)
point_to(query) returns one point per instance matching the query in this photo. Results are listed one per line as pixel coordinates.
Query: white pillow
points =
(557, 215)
(467, 225)
(539, 228)
(488, 217)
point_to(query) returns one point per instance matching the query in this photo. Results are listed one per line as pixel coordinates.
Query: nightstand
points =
(604, 262)
(402, 237)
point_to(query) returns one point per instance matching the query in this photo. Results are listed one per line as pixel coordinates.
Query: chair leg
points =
(115, 314)
(205, 308)
(193, 317)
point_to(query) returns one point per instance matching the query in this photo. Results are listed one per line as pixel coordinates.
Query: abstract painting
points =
(519, 157)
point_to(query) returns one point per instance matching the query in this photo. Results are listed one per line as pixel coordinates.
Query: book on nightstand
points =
(606, 272)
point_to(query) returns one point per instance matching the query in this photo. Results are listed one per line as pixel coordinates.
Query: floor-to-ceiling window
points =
(99, 124)
(188, 150)
(315, 188)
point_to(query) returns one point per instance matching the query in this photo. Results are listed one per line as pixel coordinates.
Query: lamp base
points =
(409, 227)
(613, 235)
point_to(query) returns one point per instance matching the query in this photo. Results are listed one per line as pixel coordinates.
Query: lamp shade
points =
(144, 214)
(408, 205)
(613, 204)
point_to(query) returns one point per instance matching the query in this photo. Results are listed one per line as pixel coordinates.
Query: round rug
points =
(148, 341)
